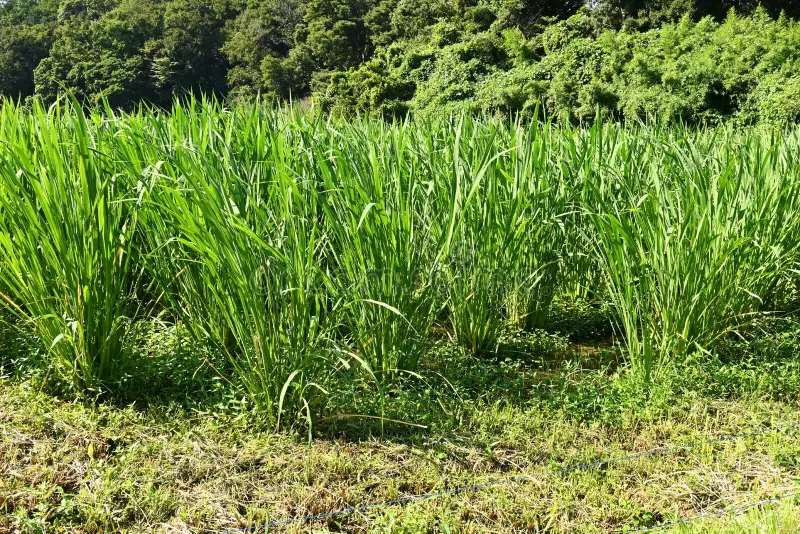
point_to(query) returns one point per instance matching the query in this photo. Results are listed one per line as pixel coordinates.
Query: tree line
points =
(697, 60)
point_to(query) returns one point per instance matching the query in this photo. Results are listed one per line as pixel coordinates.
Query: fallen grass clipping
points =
(71, 468)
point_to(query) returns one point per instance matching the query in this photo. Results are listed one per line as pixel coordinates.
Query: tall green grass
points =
(297, 246)
(692, 235)
(490, 232)
(236, 245)
(383, 257)
(539, 272)
(68, 221)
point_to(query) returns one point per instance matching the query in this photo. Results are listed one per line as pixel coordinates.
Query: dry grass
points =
(67, 468)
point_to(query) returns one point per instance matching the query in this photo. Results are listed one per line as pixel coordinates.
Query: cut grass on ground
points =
(165, 468)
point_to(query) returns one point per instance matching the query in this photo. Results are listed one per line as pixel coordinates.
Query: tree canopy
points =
(696, 60)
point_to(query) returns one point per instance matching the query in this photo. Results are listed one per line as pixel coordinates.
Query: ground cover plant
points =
(331, 278)
(71, 468)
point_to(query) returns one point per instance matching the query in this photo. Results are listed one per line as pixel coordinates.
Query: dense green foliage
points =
(695, 60)
(745, 67)
(294, 249)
